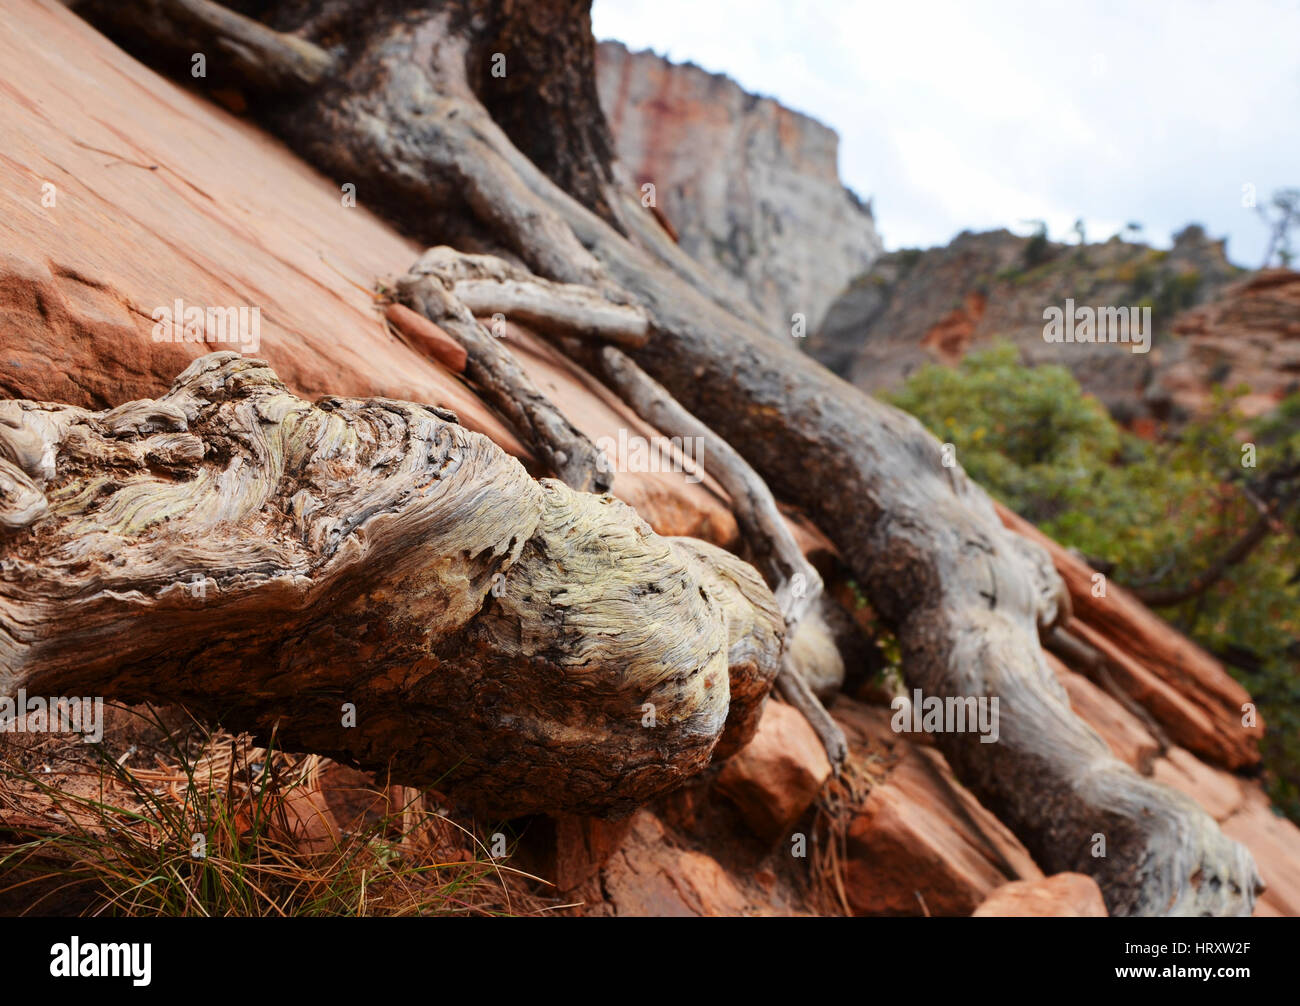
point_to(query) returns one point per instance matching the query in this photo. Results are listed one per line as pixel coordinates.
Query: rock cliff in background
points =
(750, 187)
(1249, 335)
(915, 307)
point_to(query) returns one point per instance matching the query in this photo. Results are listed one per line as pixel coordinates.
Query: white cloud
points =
(957, 115)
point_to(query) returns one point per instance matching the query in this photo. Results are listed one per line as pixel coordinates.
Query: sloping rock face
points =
(751, 188)
(919, 843)
(116, 209)
(916, 307)
(779, 774)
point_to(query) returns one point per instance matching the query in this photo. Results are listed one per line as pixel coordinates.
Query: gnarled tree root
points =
(502, 382)
(274, 563)
(445, 282)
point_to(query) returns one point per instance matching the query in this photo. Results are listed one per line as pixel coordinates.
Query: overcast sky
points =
(974, 114)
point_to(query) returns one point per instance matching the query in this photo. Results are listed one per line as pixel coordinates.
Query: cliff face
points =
(751, 188)
(1249, 335)
(916, 307)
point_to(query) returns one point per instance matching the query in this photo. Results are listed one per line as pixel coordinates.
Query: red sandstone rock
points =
(1062, 894)
(950, 337)
(427, 337)
(750, 189)
(79, 280)
(1220, 794)
(650, 876)
(578, 847)
(1250, 334)
(777, 776)
(341, 800)
(921, 844)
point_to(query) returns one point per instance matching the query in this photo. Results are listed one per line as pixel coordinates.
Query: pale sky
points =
(972, 115)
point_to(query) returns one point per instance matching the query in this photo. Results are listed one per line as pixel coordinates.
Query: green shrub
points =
(1154, 516)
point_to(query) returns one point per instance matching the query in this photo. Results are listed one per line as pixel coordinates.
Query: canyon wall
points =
(750, 188)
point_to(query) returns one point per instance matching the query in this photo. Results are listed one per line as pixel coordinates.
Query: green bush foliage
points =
(1152, 516)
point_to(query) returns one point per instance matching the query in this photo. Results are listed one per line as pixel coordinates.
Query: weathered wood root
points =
(795, 581)
(488, 285)
(277, 564)
(966, 599)
(491, 285)
(243, 50)
(502, 382)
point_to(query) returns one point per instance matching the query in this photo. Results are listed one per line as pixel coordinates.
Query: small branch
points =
(557, 308)
(1264, 525)
(559, 444)
(756, 512)
(796, 582)
(487, 284)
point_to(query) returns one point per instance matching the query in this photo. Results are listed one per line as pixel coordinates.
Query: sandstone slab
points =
(776, 777)
(1070, 895)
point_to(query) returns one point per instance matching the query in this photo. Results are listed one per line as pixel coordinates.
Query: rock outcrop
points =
(915, 307)
(1250, 335)
(919, 843)
(1064, 894)
(778, 775)
(750, 187)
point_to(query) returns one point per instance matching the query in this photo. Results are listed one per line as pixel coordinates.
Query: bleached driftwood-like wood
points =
(488, 284)
(278, 564)
(796, 582)
(815, 652)
(502, 382)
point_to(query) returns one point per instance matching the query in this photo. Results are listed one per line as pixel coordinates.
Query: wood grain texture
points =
(265, 561)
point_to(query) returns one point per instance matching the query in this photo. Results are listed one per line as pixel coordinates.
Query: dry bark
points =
(267, 561)
(502, 382)
(521, 166)
(796, 583)
(446, 283)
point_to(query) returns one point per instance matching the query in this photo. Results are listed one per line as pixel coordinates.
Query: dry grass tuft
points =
(186, 822)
